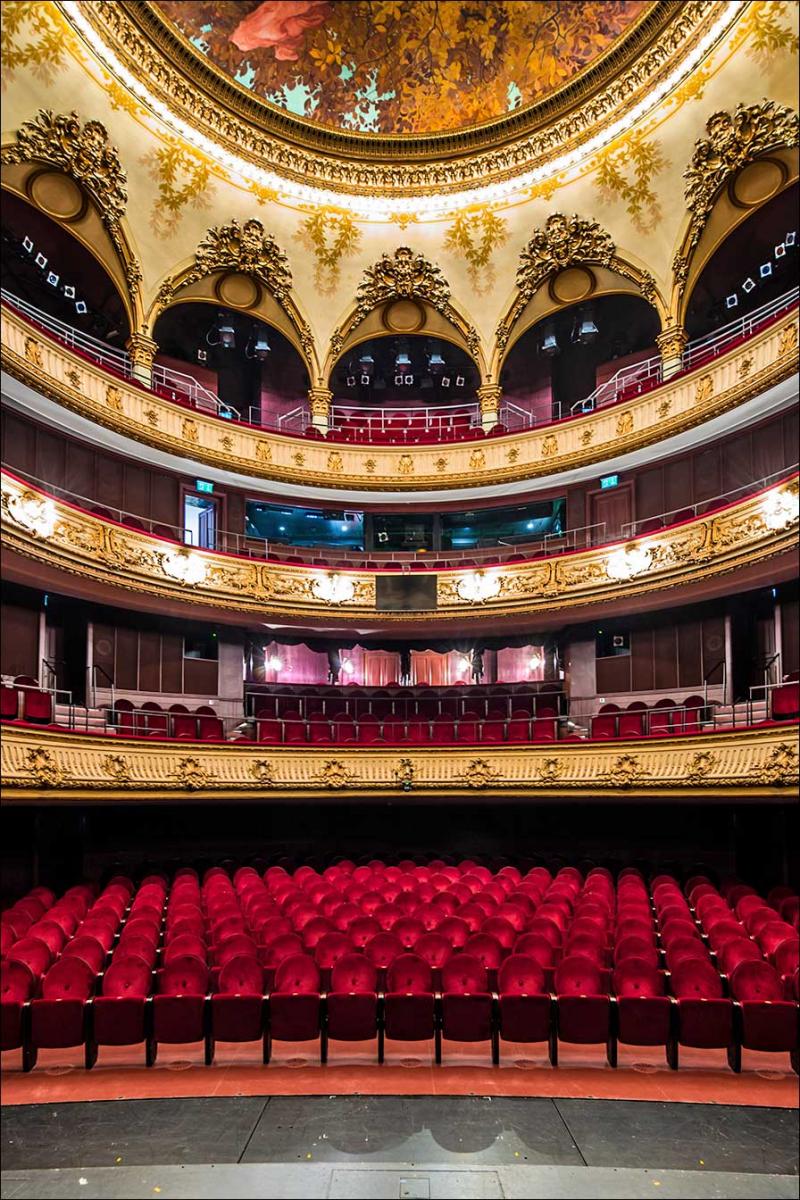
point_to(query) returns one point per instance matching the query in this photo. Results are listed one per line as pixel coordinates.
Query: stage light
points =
(731, 301)
(27, 245)
(748, 285)
(258, 346)
(80, 307)
(351, 381)
(791, 238)
(586, 330)
(41, 261)
(478, 586)
(226, 335)
(186, 567)
(534, 662)
(549, 340)
(409, 379)
(765, 270)
(365, 380)
(348, 667)
(436, 363)
(780, 249)
(625, 563)
(398, 381)
(445, 381)
(202, 355)
(460, 381)
(333, 588)
(69, 291)
(402, 362)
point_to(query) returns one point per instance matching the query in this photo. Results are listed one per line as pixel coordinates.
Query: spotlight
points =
(351, 381)
(765, 270)
(731, 301)
(41, 261)
(382, 536)
(748, 285)
(586, 330)
(409, 379)
(398, 380)
(365, 380)
(227, 337)
(367, 364)
(402, 362)
(549, 341)
(780, 249)
(446, 381)
(80, 307)
(791, 238)
(435, 364)
(27, 245)
(69, 291)
(258, 346)
(202, 355)
(52, 279)
(348, 667)
(460, 381)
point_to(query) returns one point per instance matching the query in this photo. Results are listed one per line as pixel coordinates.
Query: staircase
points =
(81, 718)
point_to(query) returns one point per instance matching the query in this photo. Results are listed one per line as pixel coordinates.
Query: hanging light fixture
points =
(479, 586)
(333, 588)
(628, 561)
(186, 567)
(586, 331)
(258, 346)
(781, 508)
(273, 663)
(225, 333)
(36, 514)
(549, 340)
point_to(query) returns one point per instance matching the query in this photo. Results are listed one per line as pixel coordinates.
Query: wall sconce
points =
(534, 662)
(333, 588)
(185, 567)
(625, 563)
(781, 508)
(35, 513)
(273, 663)
(478, 586)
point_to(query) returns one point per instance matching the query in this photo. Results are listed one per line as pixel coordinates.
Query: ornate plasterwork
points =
(83, 152)
(132, 41)
(67, 766)
(733, 139)
(693, 398)
(84, 544)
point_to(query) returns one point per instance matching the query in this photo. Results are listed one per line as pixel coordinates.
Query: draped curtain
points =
(298, 664)
(515, 664)
(440, 670)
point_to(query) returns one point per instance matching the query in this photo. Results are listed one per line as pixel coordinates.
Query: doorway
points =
(200, 521)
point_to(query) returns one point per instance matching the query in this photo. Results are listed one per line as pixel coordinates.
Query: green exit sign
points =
(609, 481)
(203, 485)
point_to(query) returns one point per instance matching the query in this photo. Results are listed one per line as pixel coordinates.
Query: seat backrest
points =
(185, 945)
(184, 976)
(486, 949)
(383, 949)
(464, 973)
(33, 952)
(238, 946)
(577, 975)
(241, 975)
(520, 974)
(635, 947)
(68, 979)
(409, 973)
(435, 947)
(755, 981)
(17, 982)
(638, 977)
(787, 956)
(330, 948)
(695, 979)
(353, 973)
(128, 975)
(86, 947)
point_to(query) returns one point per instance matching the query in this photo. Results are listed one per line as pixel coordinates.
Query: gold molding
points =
(62, 767)
(691, 399)
(361, 164)
(106, 553)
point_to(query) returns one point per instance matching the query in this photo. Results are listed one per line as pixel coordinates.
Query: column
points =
(489, 396)
(142, 350)
(319, 402)
(671, 342)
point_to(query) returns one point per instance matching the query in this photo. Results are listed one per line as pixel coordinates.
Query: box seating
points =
(406, 952)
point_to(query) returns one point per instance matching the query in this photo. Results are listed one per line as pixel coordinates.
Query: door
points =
(609, 511)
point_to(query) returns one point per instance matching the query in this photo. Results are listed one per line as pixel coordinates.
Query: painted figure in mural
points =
(403, 66)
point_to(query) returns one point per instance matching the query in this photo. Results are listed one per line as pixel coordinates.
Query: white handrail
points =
(631, 528)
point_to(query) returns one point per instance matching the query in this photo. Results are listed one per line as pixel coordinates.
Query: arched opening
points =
(49, 270)
(410, 388)
(564, 357)
(251, 366)
(752, 268)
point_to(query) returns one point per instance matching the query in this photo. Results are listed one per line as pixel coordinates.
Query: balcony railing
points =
(435, 422)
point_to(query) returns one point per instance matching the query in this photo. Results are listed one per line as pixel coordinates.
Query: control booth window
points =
(488, 526)
(613, 643)
(201, 646)
(305, 526)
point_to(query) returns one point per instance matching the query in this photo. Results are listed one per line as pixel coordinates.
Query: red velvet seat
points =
(409, 1003)
(179, 1007)
(34, 953)
(524, 1003)
(786, 702)
(787, 957)
(705, 1016)
(118, 1015)
(351, 1008)
(237, 1005)
(37, 706)
(58, 1018)
(767, 1021)
(295, 1004)
(17, 986)
(643, 1011)
(583, 1012)
(770, 936)
(467, 1004)
(9, 703)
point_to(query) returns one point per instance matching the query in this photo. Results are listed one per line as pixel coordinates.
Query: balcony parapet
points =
(61, 767)
(57, 534)
(714, 387)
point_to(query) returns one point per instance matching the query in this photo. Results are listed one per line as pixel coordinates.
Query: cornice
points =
(131, 39)
(682, 403)
(58, 535)
(59, 767)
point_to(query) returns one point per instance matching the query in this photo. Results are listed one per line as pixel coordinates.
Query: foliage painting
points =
(402, 66)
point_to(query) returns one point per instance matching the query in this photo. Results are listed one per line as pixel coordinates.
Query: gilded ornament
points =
(402, 275)
(331, 235)
(477, 460)
(189, 430)
(627, 173)
(182, 177)
(44, 768)
(226, 443)
(512, 454)
(299, 459)
(701, 765)
(319, 401)
(441, 465)
(334, 774)
(770, 32)
(733, 140)
(780, 767)
(663, 408)
(626, 771)
(263, 772)
(704, 389)
(405, 774)
(370, 465)
(563, 241)
(480, 774)
(475, 235)
(549, 446)
(624, 424)
(44, 53)
(264, 452)
(745, 367)
(114, 398)
(151, 416)
(73, 377)
(586, 436)
(192, 775)
(33, 352)
(405, 465)
(550, 771)
(787, 340)
(335, 464)
(245, 248)
(116, 767)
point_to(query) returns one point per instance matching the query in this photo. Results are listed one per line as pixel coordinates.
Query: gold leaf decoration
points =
(192, 774)
(116, 767)
(474, 236)
(563, 241)
(330, 234)
(480, 773)
(33, 352)
(626, 771)
(43, 54)
(263, 772)
(183, 179)
(43, 767)
(334, 774)
(627, 173)
(402, 275)
(770, 32)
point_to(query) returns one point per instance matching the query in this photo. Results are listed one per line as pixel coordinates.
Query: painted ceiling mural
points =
(403, 66)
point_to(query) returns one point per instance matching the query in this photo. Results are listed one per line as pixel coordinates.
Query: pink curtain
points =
(381, 667)
(520, 664)
(440, 670)
(298, 664)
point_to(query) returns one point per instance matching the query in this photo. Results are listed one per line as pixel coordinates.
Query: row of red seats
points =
(665, 717)
(25, 700)
(495, 701)
(581, 1009)
(151, 720)
(292, 729)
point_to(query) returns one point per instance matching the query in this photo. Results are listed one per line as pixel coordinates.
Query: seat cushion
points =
(57, 1023)
(237, 1018)
(294, 1016)
(467, 1017)
(769, 1026)
(409, 1018)
(178, 1019)
(525, 1018)
(583, 1019)
(118, 1020)
(352, 1016)
(706, 1024)
(644, 1020)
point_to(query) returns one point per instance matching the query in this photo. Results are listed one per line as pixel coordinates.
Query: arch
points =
(71, 173)
(567, 261)
(721, 189)
(385, 304)
(239, 266)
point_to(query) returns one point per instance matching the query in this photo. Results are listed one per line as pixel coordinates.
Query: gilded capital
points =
(489, 395)
(142, 349)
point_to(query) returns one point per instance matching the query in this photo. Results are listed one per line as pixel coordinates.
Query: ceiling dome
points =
(403, 67)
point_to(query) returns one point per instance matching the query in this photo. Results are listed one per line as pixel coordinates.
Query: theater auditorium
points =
(400, 619)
